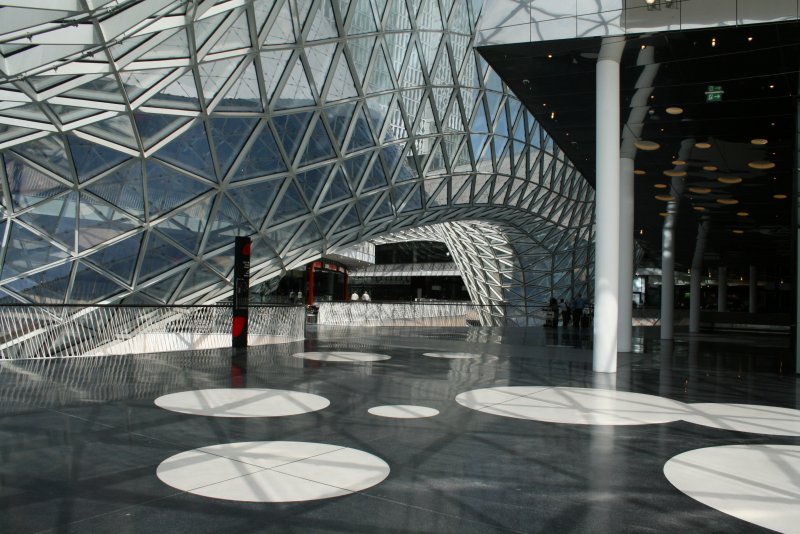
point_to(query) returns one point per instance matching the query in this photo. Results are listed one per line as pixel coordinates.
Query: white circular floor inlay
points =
(459, 356)
(403, 411)
(341, 356)
(756, 483)
(242, 402)
(272, 471)
(579, 406)
(746, 418)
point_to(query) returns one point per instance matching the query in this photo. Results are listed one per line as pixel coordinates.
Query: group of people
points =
(363, 298)
(296, 297)
(568, 311)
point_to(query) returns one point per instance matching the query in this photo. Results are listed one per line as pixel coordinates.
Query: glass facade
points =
(137, 139)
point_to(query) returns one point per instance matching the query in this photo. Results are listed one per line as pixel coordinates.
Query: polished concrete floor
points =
(81, 440)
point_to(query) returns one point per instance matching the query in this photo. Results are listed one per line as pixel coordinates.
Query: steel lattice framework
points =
(138, 138)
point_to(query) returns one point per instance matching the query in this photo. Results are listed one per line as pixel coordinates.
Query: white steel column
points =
(697, 273)
(607, 218)
(752, 289)
(625, 328)
(722, 288)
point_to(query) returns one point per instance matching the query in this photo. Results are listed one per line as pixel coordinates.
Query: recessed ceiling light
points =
(646, 145)
(742, 213)
(698, 208)
(761, 165)
(727, 201)
(749, 39)
(709, 167)
(679, 162)
(549, 56)
(674, 110)
(779, 196)
(772, 86)
(639, 172)
(702, 145)
(729, 179)
(660, 186)
(700, 190)
(665, 198)
(676, 174)
(758, 141)
(738, 231)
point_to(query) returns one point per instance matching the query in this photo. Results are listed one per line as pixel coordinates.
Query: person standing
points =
(365, 297)
(564, 309)
(354, 297)
(577, 310)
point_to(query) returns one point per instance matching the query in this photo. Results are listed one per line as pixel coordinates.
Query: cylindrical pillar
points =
(697, 273)
(310, 292)
(722, 288)
(625, 328)
(607, 198)
(752, 289)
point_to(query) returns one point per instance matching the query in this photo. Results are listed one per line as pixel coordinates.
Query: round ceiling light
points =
(761, 165)
(646, 145)
(700, 190)
(779, 196)
(742, 213)
(674, 110)
(673, 173)
(639, 172)
(660, 186)
(738, 231)
(702, 145)
(727, 201)
(679, 162)
(758, 141)
(709, 168)
(729, 179)
(665, 198)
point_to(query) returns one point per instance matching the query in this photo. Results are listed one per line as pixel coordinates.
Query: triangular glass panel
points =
(214, 74)
(377, 108)
(281, 31)
(160, 256)
(338, 189)
(326, 219)
(163, 290)
(413, 201)
(235, 37)
(412, 75)
(324, 24)
(117, 129)
(273, 63)
(361, 136)
(27, 185)
(228, 223)
(308, 235)
(262, 159)
(119, 258)
(291, 205)
(441, 73)
(205, 28)
(291, 129)
(123, 188)
(355, 167)
(391, 155)
(45, 287)
(56, 218)
(397, 127)
(361, 50)
(379, 78)
(338, 118)
(396, 48)
(26, 251)
(155, 127)
(174, 47)
(363, 21)
(100, 222)
(384, 209)
(91, 159)
(180, 94)
(375, 178)
(429, 42)
(261, 11)
(409, 102)
(436, 162)
(303, 7)
(229, 135)
(342, 85)
(106, 89)
(426, 121)
(349, 220)
(319, 59)
(243, 94)
(255, 200)
(167, 188)
(441, 99)
(90, 286)
(48, 152)
(365, 204)
(297, 91)
(311, 182)
(319, 146)
(397, 19)
(190, 151)
(201, 277)
(186, 227)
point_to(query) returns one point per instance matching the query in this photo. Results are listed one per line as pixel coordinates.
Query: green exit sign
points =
(714, 93)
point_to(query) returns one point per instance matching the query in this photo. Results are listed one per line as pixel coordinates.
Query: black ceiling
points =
(757, 68)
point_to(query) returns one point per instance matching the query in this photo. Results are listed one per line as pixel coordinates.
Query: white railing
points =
(63, 331)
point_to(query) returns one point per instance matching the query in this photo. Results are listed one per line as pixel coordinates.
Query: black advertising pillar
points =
(241, 291)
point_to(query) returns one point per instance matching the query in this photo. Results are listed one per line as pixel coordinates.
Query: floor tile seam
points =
(366, 493)
(739, 479)
(261, 467)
